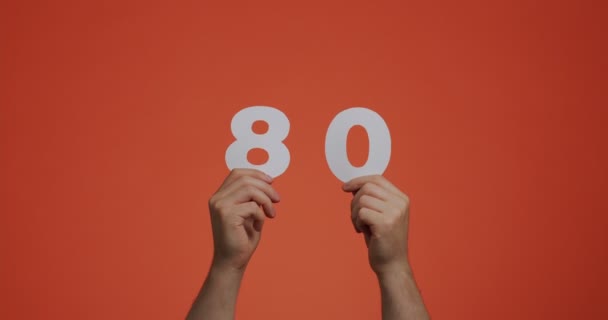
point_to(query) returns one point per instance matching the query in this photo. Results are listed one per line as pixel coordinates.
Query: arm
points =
(238, 210)
(217, 298)
(380, 211)
(400, 296)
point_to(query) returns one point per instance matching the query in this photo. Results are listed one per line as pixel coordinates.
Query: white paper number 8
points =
(335, 142)
(271, 141)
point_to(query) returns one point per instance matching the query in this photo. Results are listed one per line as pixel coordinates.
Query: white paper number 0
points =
(379, 143)
(335, 142)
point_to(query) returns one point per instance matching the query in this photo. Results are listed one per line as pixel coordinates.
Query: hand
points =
(381, 211)
(238, 210)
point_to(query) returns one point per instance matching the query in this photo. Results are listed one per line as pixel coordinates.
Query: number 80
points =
(335, 141)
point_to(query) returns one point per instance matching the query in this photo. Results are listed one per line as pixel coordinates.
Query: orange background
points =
(115, 117)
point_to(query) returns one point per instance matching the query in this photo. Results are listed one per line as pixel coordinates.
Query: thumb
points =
(258, 225)
(251, 210)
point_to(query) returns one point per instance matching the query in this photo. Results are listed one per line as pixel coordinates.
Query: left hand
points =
(238, 211)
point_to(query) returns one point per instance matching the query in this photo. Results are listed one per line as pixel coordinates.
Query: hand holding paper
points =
(238, 210)
(380, 211)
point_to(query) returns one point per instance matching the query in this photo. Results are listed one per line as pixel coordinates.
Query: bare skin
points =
(243, 202)
(238, 210)
(380, 211)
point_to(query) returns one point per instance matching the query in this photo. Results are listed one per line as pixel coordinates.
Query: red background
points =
(115, 117)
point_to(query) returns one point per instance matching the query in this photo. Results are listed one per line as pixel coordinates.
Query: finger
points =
(372, 190)
(367, 235)
(361, 227)
(357, 183)
(251, 193)
(366, 201)
(251, 210)
(354, 210)
(370, 218)
(235, 174)
(354, 220)
(246, 181)
(358, 224)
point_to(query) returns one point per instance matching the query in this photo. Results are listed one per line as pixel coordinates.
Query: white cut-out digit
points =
(271, 141)
(379, 143)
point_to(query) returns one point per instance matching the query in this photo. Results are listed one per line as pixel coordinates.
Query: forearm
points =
(217, 298)
(401, 299)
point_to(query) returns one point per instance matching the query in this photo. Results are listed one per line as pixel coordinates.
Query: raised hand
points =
(381, 212)
(238, 210)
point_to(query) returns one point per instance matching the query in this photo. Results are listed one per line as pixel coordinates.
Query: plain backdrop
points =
(115, 118)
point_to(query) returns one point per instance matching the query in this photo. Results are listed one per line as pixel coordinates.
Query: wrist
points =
(396, 271)
(226, 273)
(227, 263)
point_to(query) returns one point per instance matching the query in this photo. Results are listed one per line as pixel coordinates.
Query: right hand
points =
(238, 210)
(381, 212)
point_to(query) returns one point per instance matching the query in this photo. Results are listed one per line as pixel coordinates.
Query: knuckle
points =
(373, 189)
(249, 189)
(367, 188)
(213, 202)
(260, 174)
(396, 212)
(266, 203)
(404, 202)
(252, 206)
(360, 211)
(365, 199)
(246, 180)
(218, 207)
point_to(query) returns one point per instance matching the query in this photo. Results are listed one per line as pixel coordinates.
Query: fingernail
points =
(268, 178)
